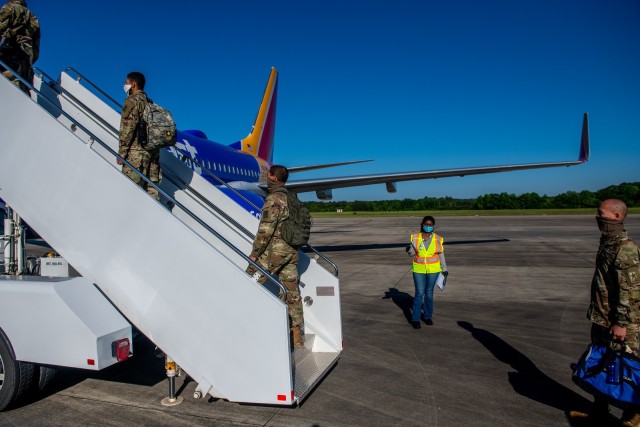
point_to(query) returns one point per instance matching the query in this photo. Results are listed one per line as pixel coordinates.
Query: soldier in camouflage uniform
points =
(19, 41)
(615, 293)
(275, 255)
(132, 129)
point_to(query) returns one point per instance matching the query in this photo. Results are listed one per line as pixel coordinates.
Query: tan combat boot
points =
(597, 416)
(296, 337)
(630, 420)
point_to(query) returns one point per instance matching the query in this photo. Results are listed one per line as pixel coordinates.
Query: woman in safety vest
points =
(427, 251)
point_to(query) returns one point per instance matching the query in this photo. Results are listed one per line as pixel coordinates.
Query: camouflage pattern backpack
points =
(160, 127)
(295, 229)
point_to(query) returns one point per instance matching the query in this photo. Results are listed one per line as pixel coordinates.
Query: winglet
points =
(584, 143)
(260, 141)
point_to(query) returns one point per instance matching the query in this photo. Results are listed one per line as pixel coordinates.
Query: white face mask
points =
(127, 88)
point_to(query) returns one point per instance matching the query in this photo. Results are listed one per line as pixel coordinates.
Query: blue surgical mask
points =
(427, 228)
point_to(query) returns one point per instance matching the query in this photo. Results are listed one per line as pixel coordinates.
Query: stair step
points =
(310, 367)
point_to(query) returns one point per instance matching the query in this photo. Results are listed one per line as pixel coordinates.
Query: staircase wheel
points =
(16, 378)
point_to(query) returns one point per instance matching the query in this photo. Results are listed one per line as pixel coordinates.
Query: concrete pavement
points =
(507, 326)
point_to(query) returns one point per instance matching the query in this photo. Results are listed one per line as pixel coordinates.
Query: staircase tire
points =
(16, 377)
(45, 375)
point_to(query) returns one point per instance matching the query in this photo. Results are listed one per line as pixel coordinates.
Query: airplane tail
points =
(260, 141)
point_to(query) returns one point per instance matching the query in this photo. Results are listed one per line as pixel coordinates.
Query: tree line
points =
(629, 192)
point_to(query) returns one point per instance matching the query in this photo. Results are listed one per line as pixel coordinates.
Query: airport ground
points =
(506, 328)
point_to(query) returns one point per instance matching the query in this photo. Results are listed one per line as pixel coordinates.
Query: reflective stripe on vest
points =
(429, 256)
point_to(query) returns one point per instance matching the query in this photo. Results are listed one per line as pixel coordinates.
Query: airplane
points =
(244, 164)
(240, 169)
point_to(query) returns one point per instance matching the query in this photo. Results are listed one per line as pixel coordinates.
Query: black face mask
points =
(610, 227)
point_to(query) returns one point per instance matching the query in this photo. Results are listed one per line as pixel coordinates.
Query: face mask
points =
(609, 226)
(271, 184)
(427, 228)
(127, 88)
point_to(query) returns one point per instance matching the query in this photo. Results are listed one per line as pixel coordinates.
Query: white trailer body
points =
(60, 321)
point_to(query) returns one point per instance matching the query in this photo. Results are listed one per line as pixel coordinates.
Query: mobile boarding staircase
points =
(178, 275)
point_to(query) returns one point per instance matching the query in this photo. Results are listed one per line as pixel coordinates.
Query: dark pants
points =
(21, 65)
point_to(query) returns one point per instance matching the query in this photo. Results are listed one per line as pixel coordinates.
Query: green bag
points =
(296, 229)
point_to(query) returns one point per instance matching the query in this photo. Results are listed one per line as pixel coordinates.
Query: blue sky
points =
(412, 84)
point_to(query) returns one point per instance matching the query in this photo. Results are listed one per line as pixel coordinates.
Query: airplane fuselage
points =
(227, 163)
(221, 164)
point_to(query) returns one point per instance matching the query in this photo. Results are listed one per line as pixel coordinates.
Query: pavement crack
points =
(271, 418)
(432, 395)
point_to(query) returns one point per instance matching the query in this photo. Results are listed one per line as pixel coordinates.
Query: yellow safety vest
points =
(427, 260)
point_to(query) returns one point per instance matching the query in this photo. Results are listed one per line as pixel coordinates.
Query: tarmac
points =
(507, 326)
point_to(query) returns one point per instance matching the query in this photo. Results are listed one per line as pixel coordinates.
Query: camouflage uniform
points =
(20, 30)
(147, 162)
(615, 291)
(275, 255)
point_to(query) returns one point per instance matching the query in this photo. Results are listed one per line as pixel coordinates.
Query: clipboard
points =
(441, 281)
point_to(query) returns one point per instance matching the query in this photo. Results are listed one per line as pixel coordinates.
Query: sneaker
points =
(428, 322)
(416, 325)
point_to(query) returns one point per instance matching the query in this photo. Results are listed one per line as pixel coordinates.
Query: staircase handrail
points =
(198, 163)
(94, 138)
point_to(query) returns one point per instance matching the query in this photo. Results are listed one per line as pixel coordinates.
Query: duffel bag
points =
(610, 373)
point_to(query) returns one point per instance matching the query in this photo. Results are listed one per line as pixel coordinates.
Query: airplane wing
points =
(323, 186)
(325, 165)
